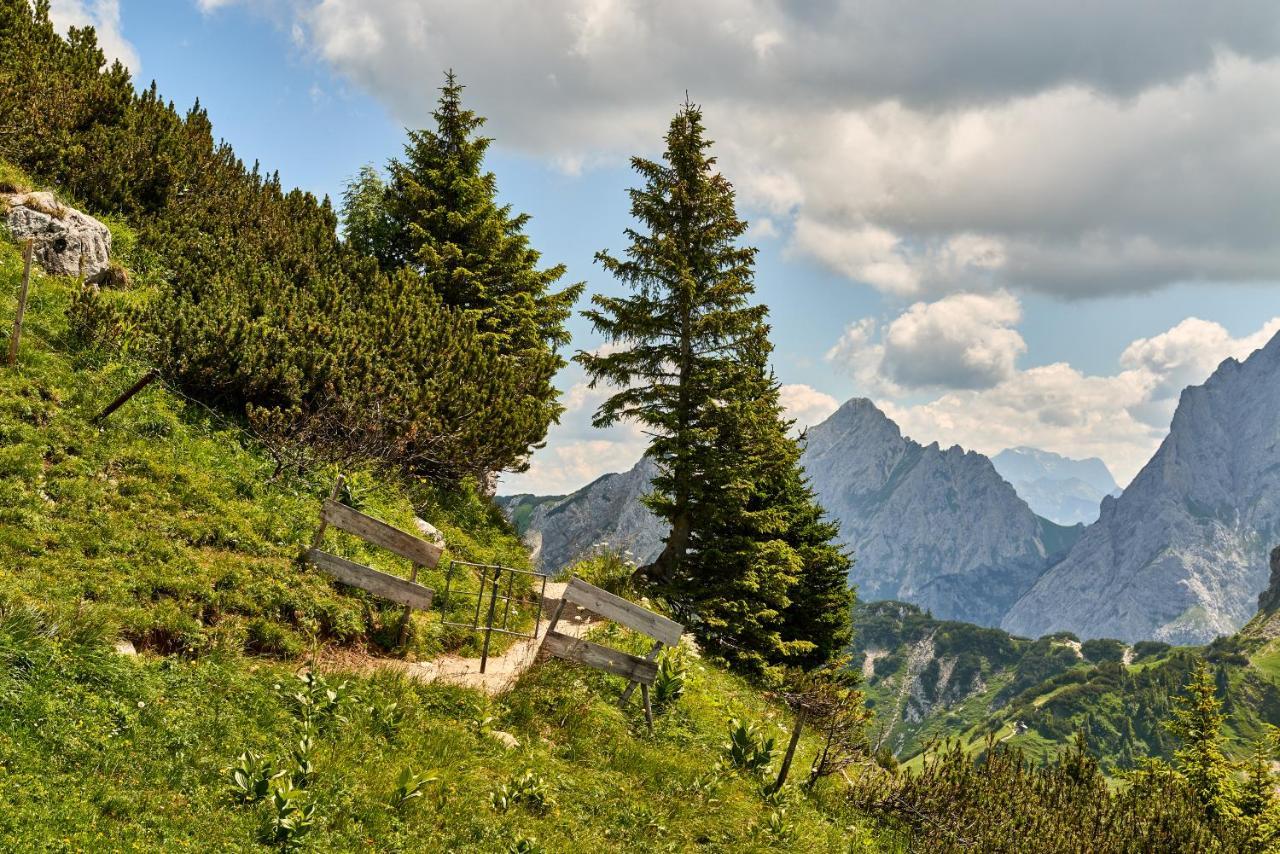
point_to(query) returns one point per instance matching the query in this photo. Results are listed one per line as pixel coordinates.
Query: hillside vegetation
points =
(164, 527)
(931, 679)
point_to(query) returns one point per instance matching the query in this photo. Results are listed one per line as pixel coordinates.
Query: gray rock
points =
(1269, 599)
(63, 236)
(429, 532)
(506, 739)
(125, 647)
(1058, 488)
(937, 528)
(1181, 555)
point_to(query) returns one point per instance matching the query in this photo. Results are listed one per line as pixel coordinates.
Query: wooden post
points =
(555, 618)
(493, 606)
(631, 686)
(318, 540)
(408, 609)
(22, 304)
(648, 709)
(147, 379)
(801, 714)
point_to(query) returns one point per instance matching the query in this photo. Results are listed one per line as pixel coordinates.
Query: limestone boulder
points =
(64, 237)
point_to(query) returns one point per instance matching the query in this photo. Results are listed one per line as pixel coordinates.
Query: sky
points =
(1008, 224)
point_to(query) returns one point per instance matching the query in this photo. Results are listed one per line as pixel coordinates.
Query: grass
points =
(165, 527)
(104, 752)
(169, 520)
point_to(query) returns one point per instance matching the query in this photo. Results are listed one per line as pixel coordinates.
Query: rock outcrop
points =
(605, 513)
(1181, 555)
(937, 528)
(64, 237)
(1269, 599)
(1060, 489)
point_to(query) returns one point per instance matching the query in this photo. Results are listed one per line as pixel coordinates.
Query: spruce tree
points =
(686, 322)
(1197, 722)
(444, 221)
(749, 562)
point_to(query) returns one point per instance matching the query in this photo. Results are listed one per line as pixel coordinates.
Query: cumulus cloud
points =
(806, 405)
(963, 341)
(1120, 417)
(920, 149)
(104, 17)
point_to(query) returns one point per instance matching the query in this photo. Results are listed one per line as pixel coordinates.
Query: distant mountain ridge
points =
(936, 527)
(1061, 489)
(1181, 555)
(606, 513)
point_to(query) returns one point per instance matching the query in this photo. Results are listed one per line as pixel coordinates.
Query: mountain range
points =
(1179, 555)
(1058, 488)
(900, 505)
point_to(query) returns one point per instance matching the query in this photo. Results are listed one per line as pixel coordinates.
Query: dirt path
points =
(502, 671)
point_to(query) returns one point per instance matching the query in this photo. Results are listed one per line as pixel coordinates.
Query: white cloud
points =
(806, 404)
(921, 149)
(963, 341)
(568, 466)
(1120, 417)
(104, 17)
(1190, 351)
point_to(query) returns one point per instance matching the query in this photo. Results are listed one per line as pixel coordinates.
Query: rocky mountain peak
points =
(1181, 554)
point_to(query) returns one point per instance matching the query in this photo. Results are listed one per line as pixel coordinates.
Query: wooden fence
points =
(407, 592)
(637, 670)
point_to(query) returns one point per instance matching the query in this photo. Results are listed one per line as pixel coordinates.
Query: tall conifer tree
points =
(749, 561)
(444, 221)
(686, 322)
(441, 218)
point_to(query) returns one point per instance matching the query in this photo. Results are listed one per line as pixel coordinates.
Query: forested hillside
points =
(931, 679)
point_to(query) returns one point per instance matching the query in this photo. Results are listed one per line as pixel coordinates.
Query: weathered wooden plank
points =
(601, 657)
(381, 534)
(390, 587)
(621, 611)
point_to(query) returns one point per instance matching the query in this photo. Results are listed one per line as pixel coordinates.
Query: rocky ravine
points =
(1181, 555)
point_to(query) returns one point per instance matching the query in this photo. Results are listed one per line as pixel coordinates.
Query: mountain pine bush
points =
(260, 309)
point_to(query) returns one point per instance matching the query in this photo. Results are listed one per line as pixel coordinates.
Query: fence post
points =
(147, 379)
(318, 540)
(408, 609)
(22, 303)
(493, 607)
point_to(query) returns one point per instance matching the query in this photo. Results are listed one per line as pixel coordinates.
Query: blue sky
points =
(1015, 232)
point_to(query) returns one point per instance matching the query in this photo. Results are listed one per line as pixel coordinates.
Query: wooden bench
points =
(407, 592)
(637, 670)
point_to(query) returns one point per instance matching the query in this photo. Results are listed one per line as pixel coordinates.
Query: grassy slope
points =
(168, 519)
(164, 527)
